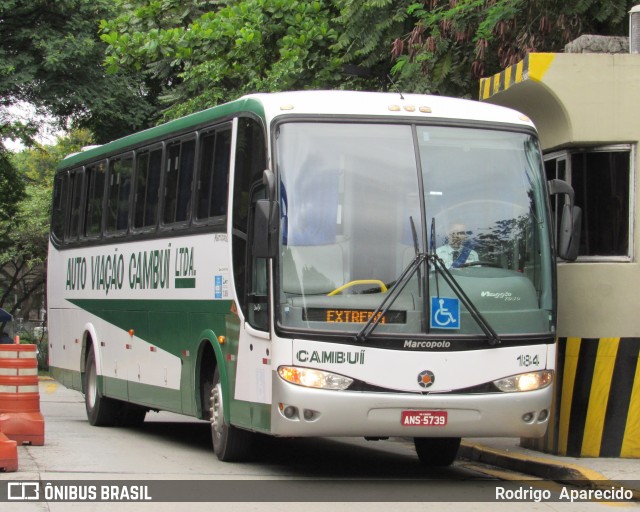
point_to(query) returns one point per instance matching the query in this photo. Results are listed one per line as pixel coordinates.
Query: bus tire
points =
(230, 443)
(437, 451)
(101, 411)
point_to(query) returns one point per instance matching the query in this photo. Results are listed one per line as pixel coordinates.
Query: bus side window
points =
(95, 181)
(250, 275)
(120, 171)
(76, 178)
(60, 196)
(213, 174)
(147, 188)
(179, 177)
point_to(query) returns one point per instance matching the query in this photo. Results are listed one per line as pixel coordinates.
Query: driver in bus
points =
(457, 251)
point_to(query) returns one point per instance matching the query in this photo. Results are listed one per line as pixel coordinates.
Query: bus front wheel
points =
(437, 451)
(101, 411)
(229, 443)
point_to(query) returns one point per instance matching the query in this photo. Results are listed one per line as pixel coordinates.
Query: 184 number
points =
(527, 360)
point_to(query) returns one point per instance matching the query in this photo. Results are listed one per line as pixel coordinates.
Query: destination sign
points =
(353, 316)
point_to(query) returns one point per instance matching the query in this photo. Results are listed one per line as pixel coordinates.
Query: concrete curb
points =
(541, 467)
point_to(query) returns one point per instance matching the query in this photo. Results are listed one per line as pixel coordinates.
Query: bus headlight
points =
(312, 378)
(525, 381)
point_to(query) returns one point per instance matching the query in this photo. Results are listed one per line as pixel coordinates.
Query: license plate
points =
(424, 418)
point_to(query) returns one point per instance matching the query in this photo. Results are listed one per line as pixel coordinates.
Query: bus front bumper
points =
(303, 412)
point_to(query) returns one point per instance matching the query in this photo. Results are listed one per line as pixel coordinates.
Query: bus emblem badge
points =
(426, 378)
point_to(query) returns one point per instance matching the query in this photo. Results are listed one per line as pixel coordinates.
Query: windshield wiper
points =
(438, 264)
(396, 288)
(392, 294)
(414, 266)
(492, 336)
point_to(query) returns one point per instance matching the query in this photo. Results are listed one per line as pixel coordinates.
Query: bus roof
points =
(359, 103)
(269, 106)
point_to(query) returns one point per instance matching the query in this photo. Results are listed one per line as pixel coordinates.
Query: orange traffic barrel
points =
(20, 416)
(8, 454)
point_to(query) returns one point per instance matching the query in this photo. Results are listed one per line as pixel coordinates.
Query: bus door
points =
(252, 392)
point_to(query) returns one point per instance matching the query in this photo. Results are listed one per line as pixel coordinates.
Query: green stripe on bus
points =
(168, 324)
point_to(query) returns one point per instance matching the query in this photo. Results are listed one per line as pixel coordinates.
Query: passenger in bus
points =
(458, 250)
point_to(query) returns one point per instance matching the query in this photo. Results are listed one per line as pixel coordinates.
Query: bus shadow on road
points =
(312, 457)
(191, 432)
(344, 457)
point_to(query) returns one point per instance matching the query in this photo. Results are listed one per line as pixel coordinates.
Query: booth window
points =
(601, 178)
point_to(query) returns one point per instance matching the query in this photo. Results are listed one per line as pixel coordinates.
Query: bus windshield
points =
(359, 202)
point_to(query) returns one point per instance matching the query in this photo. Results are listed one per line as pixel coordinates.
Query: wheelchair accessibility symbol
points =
(445, 313)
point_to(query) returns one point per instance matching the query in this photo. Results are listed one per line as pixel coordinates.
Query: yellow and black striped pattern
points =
(533, 67)
(597, 398)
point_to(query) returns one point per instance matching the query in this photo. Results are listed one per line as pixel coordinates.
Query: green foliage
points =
(367, 29)
(455, 42)
(38, 164)
(185, 56)
(11, 188)
(205, 53)
(51, 57)
(24, 234)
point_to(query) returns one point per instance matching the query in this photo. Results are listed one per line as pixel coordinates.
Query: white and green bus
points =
(312, 264)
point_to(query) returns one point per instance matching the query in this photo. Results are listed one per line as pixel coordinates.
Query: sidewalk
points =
(592, 472)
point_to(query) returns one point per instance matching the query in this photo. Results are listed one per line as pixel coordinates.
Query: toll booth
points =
(586, 107)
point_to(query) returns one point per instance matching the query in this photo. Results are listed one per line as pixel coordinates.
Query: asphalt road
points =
(173, 455)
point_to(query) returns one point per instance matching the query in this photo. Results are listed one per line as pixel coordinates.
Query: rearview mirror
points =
(570, 221)
(569, 236)
(265, 229)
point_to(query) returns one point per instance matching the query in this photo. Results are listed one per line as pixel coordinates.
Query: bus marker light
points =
(286, 107)
(131, 332)
(185, 353)
(128, 346)
(394, 108)
(152, 349)
(410, 108)
(222, 340)
(425, 110)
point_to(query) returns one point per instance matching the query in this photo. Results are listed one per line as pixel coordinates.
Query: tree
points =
(11, 188)
(367, 28)
(204, 53)
(51, 57)
(455, 42)
(24, 234)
